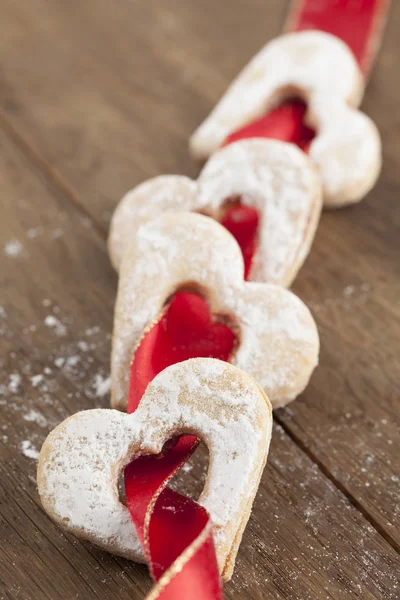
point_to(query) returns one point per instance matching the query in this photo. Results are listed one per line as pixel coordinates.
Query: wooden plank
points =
(349, 416)
(113, 103)
(305, 539)
(55, 341)
(126, 86)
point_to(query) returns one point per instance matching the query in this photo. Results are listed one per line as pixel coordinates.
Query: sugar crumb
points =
(35, 416)
(36, 380)
(101, 385)
(349, 290)
(34, 232)
(15, 382)
(54, 323)
(29, 450)
(12, 248)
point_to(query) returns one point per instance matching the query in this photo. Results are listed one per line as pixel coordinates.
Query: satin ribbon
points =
(175, 532)
(242, 222)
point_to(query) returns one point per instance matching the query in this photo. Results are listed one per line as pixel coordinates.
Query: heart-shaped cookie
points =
(278, 341)
(275, 178)
(321, 69)
(82, 459)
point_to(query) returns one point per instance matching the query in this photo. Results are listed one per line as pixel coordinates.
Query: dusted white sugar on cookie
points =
(274, 177)
(278, 338)
(321, 69)
(81, 460)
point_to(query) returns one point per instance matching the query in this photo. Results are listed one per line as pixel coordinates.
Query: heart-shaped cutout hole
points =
(285, 123)
(242, 222)
(186, 329)
(173, 517)
(188, 481)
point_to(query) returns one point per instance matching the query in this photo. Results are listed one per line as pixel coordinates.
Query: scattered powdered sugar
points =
(72, 361)
(187, 468)
(35, 232)
(350, 297)
(36, 417)
(44, 402)
(349, 290)
(101, 385)
(29, 450)
(15, 382)
(36, 380)
(90, 331)
(54, 323)
(13, 248)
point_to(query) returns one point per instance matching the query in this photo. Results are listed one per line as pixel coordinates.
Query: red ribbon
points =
(175, 532)
(242, 222)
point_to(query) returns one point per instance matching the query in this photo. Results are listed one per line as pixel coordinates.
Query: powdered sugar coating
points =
(321, 69)
(145, 202)
(274, 177)
(82, 458)
(279, 341)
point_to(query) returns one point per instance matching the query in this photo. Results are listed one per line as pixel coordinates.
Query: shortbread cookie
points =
(278, 339)
(275, 178)
(82, 459)
(321, 69)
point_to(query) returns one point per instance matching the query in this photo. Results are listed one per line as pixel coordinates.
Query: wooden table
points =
(95, 98)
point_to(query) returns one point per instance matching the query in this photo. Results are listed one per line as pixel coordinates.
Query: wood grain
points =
(96, 97)
(305, 539)
(123, 100)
